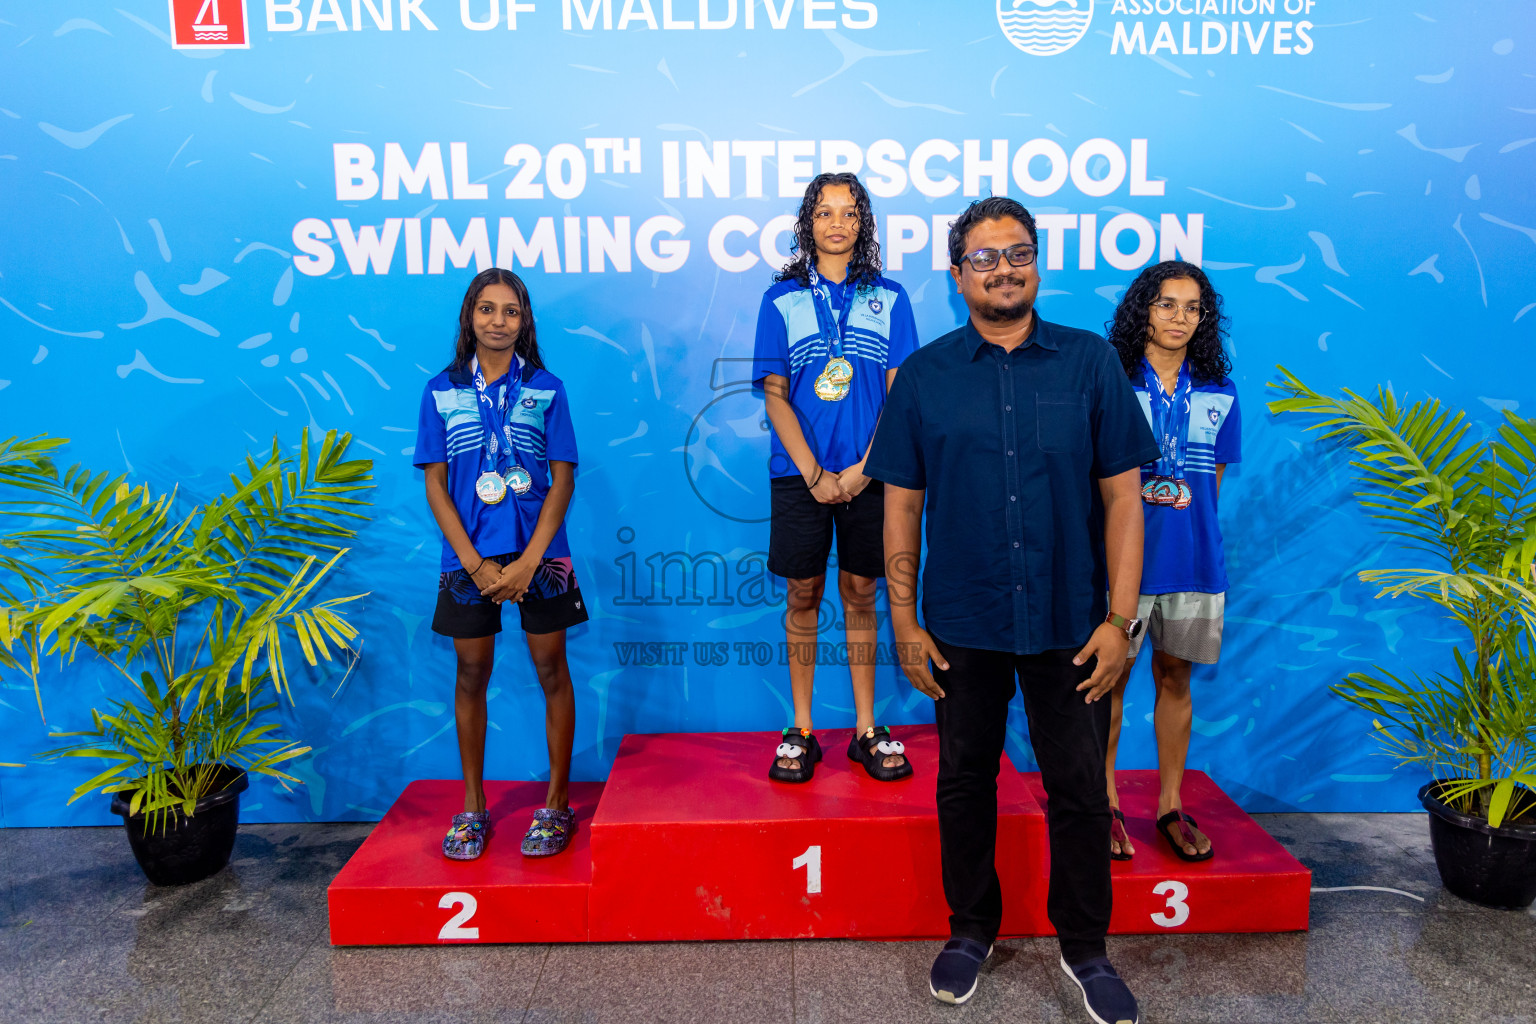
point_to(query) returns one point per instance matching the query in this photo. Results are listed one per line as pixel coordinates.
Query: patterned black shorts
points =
(553, 602)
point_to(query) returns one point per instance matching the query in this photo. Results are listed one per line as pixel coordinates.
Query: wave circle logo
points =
(1044, 28)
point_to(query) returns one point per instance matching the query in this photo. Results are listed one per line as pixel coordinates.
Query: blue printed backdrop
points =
(1367, 214)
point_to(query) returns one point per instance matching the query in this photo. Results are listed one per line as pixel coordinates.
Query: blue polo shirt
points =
(448, 430)
(880, 334)
(1010, 447)
(1183, 548)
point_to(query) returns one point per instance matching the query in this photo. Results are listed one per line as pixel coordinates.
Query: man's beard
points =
(1006, 314)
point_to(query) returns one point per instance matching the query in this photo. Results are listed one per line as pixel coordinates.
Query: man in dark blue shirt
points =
(1025, 441)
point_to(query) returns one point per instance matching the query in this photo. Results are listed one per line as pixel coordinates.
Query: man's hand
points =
(852, 480)
(1109, 644)
(829, 490)
(916, 648)
(514, 580)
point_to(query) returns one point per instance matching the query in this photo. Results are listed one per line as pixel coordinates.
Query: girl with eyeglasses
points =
(1169, 332)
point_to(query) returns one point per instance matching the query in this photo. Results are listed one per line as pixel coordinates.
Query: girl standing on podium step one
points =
(831, 332)
(495, 439)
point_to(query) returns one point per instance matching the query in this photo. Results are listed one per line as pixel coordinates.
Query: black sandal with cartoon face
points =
(874, 748)
(795, 758)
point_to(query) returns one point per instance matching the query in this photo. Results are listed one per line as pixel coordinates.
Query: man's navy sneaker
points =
(953, 978)
(1107, 998)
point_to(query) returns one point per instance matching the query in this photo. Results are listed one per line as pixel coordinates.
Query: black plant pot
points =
(1495, 867)
(177, 849)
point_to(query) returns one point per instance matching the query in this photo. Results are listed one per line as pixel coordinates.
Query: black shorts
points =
(800, 533)
(553, 602)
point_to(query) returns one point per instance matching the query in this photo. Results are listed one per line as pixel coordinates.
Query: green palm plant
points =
(1469, 505)
(23, 463)
(199, 610)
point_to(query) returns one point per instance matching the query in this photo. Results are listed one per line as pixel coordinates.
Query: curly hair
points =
(864, 262)
(527, 344)
(1128, 331)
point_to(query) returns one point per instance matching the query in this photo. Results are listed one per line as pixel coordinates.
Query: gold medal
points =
(832, 384)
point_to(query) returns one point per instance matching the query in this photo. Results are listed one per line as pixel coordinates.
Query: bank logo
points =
(204, 24)
(1044, 28)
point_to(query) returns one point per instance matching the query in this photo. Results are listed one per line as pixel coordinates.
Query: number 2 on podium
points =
(811, 861)
(455, 929)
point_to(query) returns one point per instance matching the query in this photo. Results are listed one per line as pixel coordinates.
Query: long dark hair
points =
(527, 344)
(1207, 354)
(864, 261)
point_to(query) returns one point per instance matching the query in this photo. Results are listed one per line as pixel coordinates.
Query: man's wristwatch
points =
(1132, 627)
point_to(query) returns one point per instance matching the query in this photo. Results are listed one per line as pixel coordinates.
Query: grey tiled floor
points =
(83, 938)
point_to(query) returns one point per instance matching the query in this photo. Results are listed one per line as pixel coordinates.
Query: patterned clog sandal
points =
(550, 832)
(466, 836)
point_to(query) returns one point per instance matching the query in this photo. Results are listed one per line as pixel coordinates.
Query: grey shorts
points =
(1183, 625)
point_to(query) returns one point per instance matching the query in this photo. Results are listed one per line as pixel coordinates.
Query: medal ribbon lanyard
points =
(1170, 419)
(831, 330)
(496, 415)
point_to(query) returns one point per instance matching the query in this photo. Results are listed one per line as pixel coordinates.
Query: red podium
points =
(689, 840)
(693, 842)
(1251, 885)
(399, 889)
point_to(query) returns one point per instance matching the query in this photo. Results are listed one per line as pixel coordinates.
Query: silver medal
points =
(520, 480)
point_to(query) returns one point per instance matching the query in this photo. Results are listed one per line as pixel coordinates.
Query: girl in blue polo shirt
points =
(831, 332)
(494, 437)
(1169, 331)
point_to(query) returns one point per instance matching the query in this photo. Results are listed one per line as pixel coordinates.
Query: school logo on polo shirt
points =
(875, 306)
(1214, 414)
(209, 24)
(1044, 28)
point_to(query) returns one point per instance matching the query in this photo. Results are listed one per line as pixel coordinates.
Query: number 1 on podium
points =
(811, 861)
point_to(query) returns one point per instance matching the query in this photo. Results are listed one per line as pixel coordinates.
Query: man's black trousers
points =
(1070, 738)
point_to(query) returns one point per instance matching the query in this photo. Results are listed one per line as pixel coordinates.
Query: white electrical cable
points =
(1366, 888)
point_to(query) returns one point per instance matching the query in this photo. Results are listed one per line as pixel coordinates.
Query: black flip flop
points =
(872, 747)
(1179, 818)
(799, 746)
(1123, 838)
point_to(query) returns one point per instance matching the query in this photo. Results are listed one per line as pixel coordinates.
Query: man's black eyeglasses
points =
(985, 259)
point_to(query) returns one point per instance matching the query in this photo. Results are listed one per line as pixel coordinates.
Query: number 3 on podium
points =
(811, 861)
(1178, 910)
